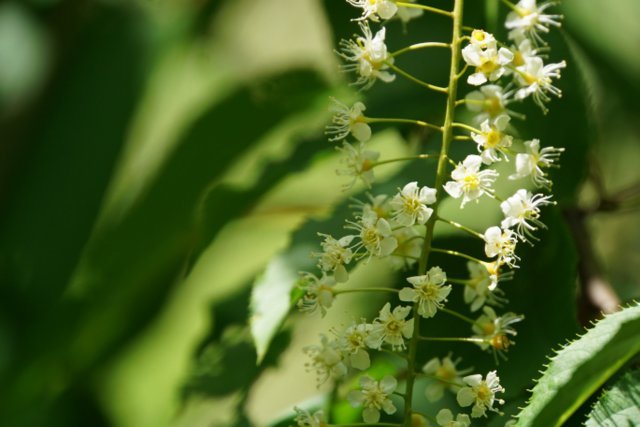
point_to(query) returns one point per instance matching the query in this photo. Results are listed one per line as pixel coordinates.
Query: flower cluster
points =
(399, 228)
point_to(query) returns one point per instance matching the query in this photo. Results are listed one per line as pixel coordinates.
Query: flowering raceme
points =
(397, 230)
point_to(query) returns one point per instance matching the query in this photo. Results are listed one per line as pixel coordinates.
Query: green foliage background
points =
(159, 159)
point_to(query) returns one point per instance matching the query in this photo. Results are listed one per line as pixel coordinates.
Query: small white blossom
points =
(375, 9)
(446, 375)
(522, 211)
(409, 246)
(428, 291)
(482, 39)
(488, 103)
(410, 204)
(534, 161)
(305, 419)
(494, 330)
(489, 62)
(523, 53)
(501, 243)
(352, 342)
(529, 19)
(368, 56)
(375, 235)
(334, 256)
(374, 397)
(379, 204)
(358, 163)
(318, 293)
(445, 419)
(406, 14)
(492, 142)
(469, 182)
(347, 121)
(482, 287)
(480, 393)
(535, 80)
(391, 328)
(326, 360)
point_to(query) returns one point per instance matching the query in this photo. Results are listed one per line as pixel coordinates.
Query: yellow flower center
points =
(478, 35)
(493, 106)
(488, 66)
(471, 182)
(518, 59)
(483, 393)
(493, 138)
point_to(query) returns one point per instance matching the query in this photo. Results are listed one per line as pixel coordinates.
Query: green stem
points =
(441, 176)
(460, 281)
(409, 121)
(367, 425)
(466, 127)
(462, 227)
(426, 8)
(416, 80)
(350, 291)
(458, 254)
(442, 380)
(452, 339)
(404, 159)
(511, 6)
(419, 46)
(459, 316)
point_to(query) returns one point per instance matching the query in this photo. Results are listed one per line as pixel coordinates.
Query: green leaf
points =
(270, 299)
(618, 406)
(581, 367)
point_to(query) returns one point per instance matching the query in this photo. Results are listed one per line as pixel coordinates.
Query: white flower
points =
(334, 256)
(368, 55)
(318, 293)
(358, 163)
(528, 18)
(375, 9)
(445, 419)
(535, 80)
(492, 141)
(409, 246)
(391, 328)
(410, 204)
(469, 182)
(406, 14)
(488, 103)
(446, 374)
(326, 360)
(501, 243)
(374, 396)
(523, 53)
(347, 121)
(480, 393)
(494, 330)
(489, 62)
(522, 211)
(482, 39)
(534, 161)
(375, 234)
(428, 291)
(353, 345)
(305, 419)
(482, 287)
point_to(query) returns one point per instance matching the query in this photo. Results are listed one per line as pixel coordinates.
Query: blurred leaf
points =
(619, 405)
(62, 164)
(271, 296)
(165, 224)
(582, 366)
